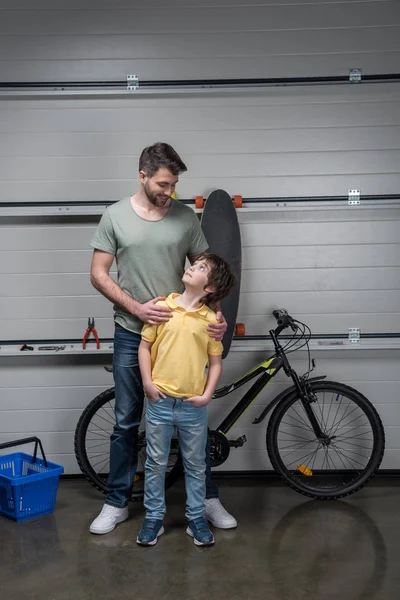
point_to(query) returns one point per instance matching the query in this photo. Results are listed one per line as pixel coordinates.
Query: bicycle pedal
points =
(239, 442)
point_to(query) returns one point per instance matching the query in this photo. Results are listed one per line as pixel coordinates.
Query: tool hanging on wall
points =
(90, 328)
(51, 348)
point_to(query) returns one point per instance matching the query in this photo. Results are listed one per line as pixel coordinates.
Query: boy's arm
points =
(214, 373)
(151, 391)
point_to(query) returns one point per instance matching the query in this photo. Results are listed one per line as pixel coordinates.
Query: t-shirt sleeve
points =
(197, 241)
(214, 348)
(149, 332)
(104, 237)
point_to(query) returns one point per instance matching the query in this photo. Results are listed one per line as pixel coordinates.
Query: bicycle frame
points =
(266, 371)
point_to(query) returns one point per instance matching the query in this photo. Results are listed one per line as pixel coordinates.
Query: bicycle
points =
(324, 438)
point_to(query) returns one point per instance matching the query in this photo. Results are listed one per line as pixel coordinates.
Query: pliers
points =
(90, 328)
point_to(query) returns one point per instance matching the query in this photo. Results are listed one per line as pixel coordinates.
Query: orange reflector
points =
(136, 478)
(305, 470)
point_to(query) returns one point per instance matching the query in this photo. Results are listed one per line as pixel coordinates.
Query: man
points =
(150, 235)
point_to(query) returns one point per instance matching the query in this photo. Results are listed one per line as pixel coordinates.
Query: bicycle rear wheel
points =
(92, 446)
(342, 463)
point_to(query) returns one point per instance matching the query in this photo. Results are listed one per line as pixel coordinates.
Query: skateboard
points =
(221, 228)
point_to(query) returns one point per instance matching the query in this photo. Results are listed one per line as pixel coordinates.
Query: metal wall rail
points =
(62, 347)
(96, 207)
(314, 336)
(354, 76)
(238, 345)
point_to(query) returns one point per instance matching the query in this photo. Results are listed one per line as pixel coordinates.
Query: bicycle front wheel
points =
(341, 462)
(92, 446)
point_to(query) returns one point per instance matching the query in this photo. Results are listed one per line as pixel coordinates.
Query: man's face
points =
(159, 187)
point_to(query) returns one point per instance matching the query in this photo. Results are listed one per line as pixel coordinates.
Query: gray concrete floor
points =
(285, 548)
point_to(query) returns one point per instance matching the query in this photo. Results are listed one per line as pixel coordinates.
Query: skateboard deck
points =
(221, 228)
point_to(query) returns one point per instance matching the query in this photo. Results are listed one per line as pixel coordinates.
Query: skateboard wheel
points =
(199, 202)
(240, 330)
(238, 201)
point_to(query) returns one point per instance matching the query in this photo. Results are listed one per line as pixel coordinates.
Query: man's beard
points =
(153, 197)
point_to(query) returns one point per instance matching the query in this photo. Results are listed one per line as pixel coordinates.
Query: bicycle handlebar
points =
(284, 320)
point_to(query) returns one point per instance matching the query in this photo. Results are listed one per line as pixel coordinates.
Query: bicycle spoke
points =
(298, 446)
(337, 411)
(96, 445)
(355, 445)
(342, 450)
(301, 419)
(105, 462)
(351, 462)
(106, 420)
(101, 429)
(349, 430)
(297, 426)
(342, 418)
(292, 435)
(302, 459)
(315, 458)
(354, 437)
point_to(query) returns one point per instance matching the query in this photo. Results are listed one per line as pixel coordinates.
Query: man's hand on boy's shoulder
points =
(217, 330)
(152, 392)
(152, 313)
(198, 401)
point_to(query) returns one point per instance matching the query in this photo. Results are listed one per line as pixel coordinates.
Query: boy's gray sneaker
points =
(150, 532)
(199, 530)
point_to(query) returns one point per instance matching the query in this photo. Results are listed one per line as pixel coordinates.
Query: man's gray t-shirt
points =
(150, 255)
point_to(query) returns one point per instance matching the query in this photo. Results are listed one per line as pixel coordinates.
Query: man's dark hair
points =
(220, 277)
(158, 156)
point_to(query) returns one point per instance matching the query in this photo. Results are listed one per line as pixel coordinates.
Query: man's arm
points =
(101, 280)
(151, 391)
(214, 373)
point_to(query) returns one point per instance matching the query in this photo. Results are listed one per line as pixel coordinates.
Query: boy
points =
(173, 357)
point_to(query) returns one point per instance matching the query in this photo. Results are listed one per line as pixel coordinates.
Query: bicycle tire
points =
(320, 483)
(86, 460)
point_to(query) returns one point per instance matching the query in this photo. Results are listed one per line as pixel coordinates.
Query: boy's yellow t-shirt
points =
(180, 350)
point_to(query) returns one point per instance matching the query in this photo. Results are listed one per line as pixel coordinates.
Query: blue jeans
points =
(162, 416)
(128, 412)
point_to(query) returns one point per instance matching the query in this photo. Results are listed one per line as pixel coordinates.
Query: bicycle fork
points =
(306, 400)
(301, 388)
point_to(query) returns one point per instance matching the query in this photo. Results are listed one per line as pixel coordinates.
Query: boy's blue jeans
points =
(162, 416)
(128, 412)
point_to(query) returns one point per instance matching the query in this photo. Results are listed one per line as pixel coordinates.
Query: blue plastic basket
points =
(28, 485)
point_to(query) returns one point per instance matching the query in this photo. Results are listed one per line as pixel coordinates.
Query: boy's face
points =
(196, 276)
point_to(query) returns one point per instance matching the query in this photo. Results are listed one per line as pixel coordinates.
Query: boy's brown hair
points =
(220, 277)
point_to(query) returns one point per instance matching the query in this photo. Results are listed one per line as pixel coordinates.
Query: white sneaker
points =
(109, 517)
(217, 515)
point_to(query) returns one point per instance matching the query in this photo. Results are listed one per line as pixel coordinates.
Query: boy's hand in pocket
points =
(152, 392)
